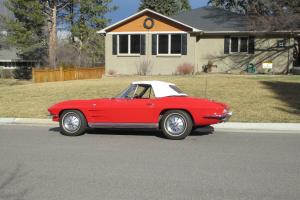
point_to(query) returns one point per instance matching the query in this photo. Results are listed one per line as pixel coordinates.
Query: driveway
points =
(39, 163)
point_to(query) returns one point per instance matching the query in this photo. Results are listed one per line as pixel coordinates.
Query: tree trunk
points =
(297, 52)
(53, 37)
(72, 18)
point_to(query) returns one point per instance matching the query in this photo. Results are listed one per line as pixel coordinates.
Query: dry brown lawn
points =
(252, 98)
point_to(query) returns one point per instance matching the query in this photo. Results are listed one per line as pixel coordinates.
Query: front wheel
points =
(176, 124)
(72, 123)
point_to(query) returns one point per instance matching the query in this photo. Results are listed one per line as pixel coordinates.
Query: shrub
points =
(112, 72)
(144, 67)
(6, 73)
(22, 72)
(185, 68)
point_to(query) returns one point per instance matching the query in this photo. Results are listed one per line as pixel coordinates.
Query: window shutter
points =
(143, 44)
(251, 48)
(114, 45)
(154, 44)
(184, 44)
(226, 44)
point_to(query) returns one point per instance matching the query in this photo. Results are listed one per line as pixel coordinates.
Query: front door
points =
(134, 110)
(137, 107)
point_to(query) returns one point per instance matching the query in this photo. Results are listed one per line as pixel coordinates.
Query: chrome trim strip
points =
(223, 117)
(123, 125)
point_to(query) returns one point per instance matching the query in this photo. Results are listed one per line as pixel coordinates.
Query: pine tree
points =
(90, 19)
(67, 15)
(184, 5)
(166, 7)
(26, 30)
(2, 33)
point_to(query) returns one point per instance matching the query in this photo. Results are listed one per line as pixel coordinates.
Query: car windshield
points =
(136, 91)
(128, 92)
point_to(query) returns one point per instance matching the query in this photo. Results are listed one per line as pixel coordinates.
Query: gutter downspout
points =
(196, 35)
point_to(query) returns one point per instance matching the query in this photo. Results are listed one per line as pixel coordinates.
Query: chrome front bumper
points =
(223, 117)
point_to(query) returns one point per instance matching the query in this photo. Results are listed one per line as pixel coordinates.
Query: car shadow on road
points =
(202, 131)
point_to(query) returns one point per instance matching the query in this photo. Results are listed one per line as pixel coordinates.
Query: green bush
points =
(23, 72)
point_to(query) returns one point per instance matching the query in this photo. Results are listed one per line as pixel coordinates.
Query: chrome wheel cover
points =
(71, 122)
(175, 124)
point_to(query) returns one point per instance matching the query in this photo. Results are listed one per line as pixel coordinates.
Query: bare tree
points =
(265, 14)
(274, 15)
(51, 7)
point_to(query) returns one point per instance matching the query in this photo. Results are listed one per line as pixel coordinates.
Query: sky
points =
(129, 7)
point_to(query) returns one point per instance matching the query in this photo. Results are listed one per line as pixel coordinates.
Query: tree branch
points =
(64, 4)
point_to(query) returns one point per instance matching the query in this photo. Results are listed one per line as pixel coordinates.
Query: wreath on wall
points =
(148, 23)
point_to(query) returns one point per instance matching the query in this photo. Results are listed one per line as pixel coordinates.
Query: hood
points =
(74, 104)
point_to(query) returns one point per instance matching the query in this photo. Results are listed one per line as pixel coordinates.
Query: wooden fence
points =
(60, 74)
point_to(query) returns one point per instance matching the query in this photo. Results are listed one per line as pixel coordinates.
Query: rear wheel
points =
(176, 124)
(72, 123)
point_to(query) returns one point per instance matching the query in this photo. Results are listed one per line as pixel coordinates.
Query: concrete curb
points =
(28, 121)
(228, 126)
(258, 126)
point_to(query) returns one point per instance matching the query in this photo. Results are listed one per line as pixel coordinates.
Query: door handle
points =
(149, 104)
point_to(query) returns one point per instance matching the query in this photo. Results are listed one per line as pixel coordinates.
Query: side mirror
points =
(136, 96)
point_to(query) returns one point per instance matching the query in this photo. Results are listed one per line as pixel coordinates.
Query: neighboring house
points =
(200, 36)
(10, 60)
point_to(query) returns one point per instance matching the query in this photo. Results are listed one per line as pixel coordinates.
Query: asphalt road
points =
(38, 163)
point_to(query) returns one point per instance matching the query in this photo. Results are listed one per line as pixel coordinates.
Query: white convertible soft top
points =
(161, 88)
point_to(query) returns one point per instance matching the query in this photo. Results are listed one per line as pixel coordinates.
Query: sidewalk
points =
(293, 127)
(228, 126)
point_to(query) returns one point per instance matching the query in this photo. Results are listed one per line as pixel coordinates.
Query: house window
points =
(169, 44)
(135, 44)
(176, 44)
(239, 44)
(129, 44)
(163, 44)
(243, 44)
(234, 44)
(123, 44)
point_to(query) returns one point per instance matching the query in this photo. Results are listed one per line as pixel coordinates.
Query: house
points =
(199, 37)
(10, 60)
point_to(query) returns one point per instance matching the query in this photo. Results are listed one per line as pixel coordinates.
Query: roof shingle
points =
(213, 19)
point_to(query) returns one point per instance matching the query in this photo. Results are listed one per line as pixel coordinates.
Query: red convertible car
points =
(144, 104)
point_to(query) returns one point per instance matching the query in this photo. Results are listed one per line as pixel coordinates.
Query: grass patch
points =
(11, 82)
(252, 98)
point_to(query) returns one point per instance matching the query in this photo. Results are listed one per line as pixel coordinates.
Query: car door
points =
(133, 109)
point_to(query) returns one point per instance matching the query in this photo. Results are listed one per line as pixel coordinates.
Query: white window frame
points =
(239, 44)
(169, 45)
(129, 46)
